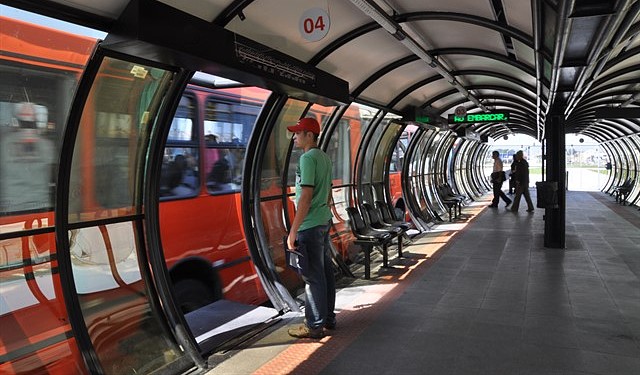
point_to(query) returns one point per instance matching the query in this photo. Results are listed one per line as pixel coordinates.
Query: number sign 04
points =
(314, 24)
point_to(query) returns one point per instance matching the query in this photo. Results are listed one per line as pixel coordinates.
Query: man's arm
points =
(304, 204)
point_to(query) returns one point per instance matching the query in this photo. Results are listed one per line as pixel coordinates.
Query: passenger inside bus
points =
(178, 177)
(220, 174)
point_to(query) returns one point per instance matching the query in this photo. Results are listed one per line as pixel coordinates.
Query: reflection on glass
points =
(108, 155)
(32, 310)
(277, 148)
(275, 230)
(113, 298)
(273, 167)
(341, 152)
(35, 98)
(341, 231)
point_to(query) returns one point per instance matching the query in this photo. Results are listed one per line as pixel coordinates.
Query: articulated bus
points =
(199, 212)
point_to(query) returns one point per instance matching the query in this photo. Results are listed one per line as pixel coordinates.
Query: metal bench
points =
(367, 238)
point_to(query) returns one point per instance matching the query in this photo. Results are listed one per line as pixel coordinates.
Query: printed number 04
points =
(309, 25)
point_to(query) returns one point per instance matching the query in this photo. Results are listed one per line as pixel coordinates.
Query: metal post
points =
(554, 226)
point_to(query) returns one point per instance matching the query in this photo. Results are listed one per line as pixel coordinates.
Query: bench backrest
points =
(356, 222)
(449, 190)
(443, 193)
(375, 219)
(386, 212)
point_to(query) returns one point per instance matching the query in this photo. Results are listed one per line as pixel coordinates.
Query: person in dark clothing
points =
(522, 183)
(512, 175)
(497, 178)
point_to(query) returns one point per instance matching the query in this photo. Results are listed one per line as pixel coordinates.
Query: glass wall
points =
(40, 69)
(127, 332)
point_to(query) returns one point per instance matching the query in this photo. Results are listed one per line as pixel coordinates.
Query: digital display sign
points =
(472, 118)
(425, 119)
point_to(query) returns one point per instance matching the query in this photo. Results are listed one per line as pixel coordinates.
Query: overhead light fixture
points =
(462, 90)
(376, 14)
(418, 51)
(371, 9)
(444, 73)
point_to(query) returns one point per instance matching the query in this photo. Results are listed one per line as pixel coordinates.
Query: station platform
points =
(481, 296)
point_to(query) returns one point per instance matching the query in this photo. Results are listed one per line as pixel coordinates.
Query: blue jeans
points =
(317, 273)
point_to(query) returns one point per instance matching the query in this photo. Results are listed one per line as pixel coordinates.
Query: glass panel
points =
(363, 115)
(341, 231)
(370, 153)
(321, 113)
(381, 158)
(36, 334)
(180, 174)
(382, 164)
(40, 69)
(113, 298)
(341, 152)
(275, 229)
(346, 140)
(277, 148)
(230, 116)
(109, 151)
(272, 210)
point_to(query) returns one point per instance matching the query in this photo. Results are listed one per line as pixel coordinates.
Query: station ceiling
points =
(533, 58)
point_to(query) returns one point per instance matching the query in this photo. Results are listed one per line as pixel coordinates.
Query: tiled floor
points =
(485, 297)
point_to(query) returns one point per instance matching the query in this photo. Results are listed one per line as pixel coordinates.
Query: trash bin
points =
(547, 194)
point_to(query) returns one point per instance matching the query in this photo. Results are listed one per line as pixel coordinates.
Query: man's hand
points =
(291, 241)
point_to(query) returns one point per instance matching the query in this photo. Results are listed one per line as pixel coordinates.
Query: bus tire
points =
(192, 294)
(399, 212)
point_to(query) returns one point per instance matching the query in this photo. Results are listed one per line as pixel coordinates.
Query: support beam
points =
(554, 218)
(608, 112)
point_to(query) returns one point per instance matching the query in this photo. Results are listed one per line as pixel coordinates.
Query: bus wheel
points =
(399, 213)
(192, 294)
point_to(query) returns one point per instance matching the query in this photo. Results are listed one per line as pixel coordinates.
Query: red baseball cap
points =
(307, 124)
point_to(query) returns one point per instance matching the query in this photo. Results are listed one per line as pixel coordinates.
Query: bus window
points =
(227, 127)
(180, 175)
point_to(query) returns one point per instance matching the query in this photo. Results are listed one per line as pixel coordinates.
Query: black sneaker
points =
(330, 325)
(508, 204)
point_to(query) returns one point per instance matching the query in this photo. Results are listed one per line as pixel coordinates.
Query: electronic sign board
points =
(472, 118)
